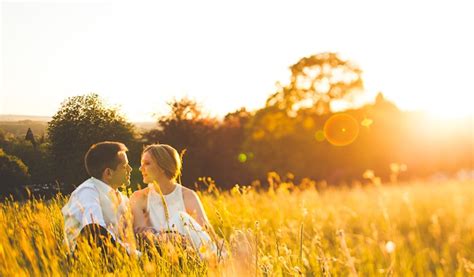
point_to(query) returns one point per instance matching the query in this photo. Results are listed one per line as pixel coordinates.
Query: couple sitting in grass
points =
(163, 212)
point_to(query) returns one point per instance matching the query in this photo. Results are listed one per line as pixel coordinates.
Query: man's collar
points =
(101, 185)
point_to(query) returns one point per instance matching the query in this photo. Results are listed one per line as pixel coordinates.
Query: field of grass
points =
(415, 229)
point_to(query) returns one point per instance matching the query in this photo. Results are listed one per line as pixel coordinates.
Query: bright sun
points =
(443, 99)
(448, 108)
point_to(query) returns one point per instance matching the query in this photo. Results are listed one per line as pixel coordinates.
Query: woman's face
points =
(150, 169)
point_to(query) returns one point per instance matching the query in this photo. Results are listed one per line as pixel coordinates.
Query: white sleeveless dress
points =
(179, 219)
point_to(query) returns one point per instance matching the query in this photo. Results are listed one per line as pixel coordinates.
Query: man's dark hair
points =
(103, 155)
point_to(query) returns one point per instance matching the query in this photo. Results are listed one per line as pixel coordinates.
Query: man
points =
(96, 208)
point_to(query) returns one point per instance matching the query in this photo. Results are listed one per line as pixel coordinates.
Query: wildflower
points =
(304, 212)
(235, 190)
(203, 249)
(394, 168)
(368, 174)
(390, 246)
(367, 122)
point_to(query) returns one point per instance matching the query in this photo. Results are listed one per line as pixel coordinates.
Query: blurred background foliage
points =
(295, 134)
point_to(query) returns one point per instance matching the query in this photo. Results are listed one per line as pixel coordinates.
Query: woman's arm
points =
(138, 207)
(196, 210)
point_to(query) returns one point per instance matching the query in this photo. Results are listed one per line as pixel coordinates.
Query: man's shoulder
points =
(87, 187)
(84, 194)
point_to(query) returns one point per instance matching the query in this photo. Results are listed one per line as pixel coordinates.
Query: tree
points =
(186, 129)
(315, 82)
(14, 174)
(281, 135)
(80, 122)
(30, 137)
(212, 147)
(228, 161)
(182, 110)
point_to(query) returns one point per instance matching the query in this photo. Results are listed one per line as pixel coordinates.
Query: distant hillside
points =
(15, 117)
(144, 126)
(19, 124)
(19, 128)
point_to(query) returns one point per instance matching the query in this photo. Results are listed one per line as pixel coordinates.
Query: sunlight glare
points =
(341, 129)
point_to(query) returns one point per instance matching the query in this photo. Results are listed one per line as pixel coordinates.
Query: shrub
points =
(14, 174)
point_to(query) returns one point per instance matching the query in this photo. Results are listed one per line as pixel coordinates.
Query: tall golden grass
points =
(421, 229)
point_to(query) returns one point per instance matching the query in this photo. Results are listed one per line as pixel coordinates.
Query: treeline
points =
(295, 135)
(20, 127)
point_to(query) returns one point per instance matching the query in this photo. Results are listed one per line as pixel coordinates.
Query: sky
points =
(229, 54)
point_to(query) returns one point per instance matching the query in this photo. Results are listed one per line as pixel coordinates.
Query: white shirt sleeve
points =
(87, 208)
(84, 206)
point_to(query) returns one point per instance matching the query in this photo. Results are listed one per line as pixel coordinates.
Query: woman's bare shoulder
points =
(139, 194)
(191, 198)
(188, 193)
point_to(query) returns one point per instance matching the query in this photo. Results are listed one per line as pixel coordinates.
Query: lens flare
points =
(242, 158)
(341, 129)
(319, 136)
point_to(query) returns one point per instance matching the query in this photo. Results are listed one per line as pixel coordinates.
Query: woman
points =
(166, 205)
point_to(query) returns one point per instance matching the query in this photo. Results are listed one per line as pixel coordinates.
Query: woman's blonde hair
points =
(167, 159)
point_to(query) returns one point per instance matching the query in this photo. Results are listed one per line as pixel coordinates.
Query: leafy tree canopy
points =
(80, 122)
(315, 82)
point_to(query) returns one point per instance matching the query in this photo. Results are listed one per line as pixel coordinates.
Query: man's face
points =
(121, 174)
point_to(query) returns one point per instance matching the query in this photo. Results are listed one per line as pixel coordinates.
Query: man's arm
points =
(88, 209)
(93, 226)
